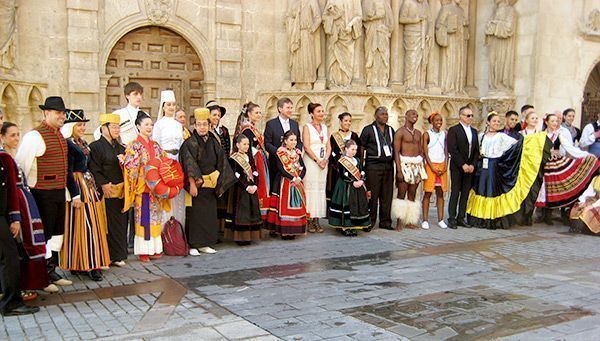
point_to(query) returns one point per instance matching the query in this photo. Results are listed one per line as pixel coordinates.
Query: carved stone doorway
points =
(591, 97)
(157, 58)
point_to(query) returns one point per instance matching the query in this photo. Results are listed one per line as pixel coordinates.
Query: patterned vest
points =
(52, 166)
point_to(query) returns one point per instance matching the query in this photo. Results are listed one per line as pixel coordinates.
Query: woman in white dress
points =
(317, 149)
(168, 133)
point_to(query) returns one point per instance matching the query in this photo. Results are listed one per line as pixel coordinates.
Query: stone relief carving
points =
(451, 34)
(342, 22)
(416, 18)
(304, 45)
(593, 22)
(500, 36)
(8, 24)
(158, 11)
(378, 20)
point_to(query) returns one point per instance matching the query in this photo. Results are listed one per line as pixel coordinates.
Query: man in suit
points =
(276, 128)
(463, 146)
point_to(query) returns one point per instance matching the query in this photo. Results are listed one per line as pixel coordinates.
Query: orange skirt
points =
(434, 180)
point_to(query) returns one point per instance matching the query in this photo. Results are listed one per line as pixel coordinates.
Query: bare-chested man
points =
(409, 172)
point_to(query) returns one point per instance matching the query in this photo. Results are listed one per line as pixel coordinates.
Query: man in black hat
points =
(43, 158)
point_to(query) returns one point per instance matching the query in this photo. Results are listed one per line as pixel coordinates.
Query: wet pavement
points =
(539, 283)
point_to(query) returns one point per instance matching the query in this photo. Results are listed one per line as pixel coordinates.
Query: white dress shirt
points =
(285, 123)
(587, 136)
(32, 146)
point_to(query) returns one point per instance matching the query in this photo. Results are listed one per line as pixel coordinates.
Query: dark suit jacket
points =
(273, 139)
(458, 147)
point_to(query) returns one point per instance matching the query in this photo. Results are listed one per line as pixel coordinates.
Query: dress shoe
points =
(452, 224)
(21, 310)
(194, 252)
(156, 256)
(95, 275)
(144, 258)
(207, 249)
(51, 288)
(463, 223)
(442, 224)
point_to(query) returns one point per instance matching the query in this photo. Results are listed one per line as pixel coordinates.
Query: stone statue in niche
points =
(8, 9)
(342, 22)
(593, 23)
(500, 35)
(378, 20)
(304, 45)
(451, 33)
(416, 18)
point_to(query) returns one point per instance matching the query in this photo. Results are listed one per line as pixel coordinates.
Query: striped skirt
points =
(565, 179)
(85, 247)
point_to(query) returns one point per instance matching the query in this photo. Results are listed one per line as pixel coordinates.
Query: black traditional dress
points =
(261, 161)
(244, 221)
(203, 158)
(507, 185)
(349, 208)
(337, 141)
(105, 167)
(221, 133)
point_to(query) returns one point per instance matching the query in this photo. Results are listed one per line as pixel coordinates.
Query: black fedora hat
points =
(75, 115)
(212, 105)
(53, 103)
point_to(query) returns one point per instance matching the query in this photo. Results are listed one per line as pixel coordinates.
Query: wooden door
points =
(158, 59)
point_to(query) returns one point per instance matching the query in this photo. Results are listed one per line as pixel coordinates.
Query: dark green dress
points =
(349, 209)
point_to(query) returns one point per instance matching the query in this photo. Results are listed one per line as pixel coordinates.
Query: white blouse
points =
(168, 133)
(494, 146)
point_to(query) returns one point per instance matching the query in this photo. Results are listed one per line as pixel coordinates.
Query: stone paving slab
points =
(321, 286)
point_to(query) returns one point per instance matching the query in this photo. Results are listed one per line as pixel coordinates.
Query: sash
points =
(214, 133)
(259, 137)
(339, 140)
(240, 160)
(290, 164)
(350, 167)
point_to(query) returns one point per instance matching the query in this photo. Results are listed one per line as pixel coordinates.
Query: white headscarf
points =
(67, 129)
(165, 96)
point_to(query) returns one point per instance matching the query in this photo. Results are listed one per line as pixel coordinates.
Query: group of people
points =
(69, 204)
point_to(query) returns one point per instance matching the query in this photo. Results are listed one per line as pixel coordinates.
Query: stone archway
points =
(591, 97)
(157, 58)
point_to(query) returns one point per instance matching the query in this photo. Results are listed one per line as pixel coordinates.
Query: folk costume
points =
(585, 214)
(168, 133)
(127, 116)
(568, 172)
(507, 179)
(85, 247)
(349, 208)
(338, 141)
(261, 162)
(204, 160)
(221, 134)
(105, 167)
(43, 157)
(148, 207)
(34, 275)
(9, 256)
(379, 167)
(244, 220)
(287, 215)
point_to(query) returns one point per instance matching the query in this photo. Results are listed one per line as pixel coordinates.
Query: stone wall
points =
(243, 48)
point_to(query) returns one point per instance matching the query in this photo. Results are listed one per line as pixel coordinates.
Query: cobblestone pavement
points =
(539, 283)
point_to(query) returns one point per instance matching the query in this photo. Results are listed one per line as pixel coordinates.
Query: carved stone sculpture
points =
(500, 35)
(304, 46)
(342, 22)
(378, 20)
(593, 22)
(158, 11)
(416, 18)
(451, 33)
(7, 33)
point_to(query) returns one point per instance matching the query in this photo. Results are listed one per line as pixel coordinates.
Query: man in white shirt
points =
(590, 136)
(134, 93)
(567, 148)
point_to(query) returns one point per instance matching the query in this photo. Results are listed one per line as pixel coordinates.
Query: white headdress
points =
(165, 96)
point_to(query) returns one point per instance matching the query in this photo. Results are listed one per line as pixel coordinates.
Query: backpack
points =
(174, 240)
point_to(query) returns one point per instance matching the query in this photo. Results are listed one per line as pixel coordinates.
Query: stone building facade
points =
(428, 55)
